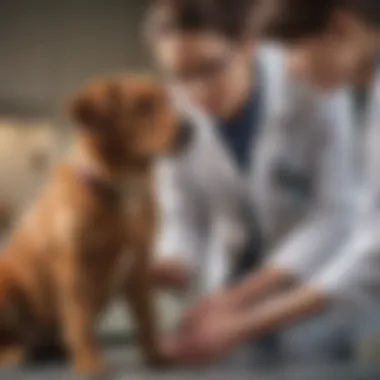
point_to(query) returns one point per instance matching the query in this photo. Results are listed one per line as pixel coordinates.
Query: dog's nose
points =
(184, 136)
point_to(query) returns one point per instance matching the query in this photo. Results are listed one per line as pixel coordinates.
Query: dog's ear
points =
(98, 104)
(85, 110)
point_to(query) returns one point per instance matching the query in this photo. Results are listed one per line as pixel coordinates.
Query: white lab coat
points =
(308, 137)
(352, 277)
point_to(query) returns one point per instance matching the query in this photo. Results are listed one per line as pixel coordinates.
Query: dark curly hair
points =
(230, 18)
(294, 19)
(289, 20)
(367, 10)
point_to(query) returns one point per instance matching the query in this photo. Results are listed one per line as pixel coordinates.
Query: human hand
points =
(213, 304)
(208, 339)
(171, 274)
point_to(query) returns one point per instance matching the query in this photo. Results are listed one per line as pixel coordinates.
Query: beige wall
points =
(27, 152)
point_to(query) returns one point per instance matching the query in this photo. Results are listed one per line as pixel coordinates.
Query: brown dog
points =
(89, 236)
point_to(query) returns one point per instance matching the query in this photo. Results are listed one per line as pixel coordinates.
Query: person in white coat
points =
(263, 141)
(336, 49)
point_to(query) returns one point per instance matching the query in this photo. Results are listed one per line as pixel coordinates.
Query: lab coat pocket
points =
(294, 187)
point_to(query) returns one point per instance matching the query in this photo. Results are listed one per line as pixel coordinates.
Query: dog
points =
(89, 236)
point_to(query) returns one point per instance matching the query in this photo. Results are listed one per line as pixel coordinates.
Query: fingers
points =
(171, 274)
(196, 313)
(186, 348)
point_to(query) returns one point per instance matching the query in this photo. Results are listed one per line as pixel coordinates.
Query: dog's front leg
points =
(139, 292)
(77, 317)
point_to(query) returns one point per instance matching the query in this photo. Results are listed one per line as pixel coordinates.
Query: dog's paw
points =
(11, 356)
(159, 361)
(89, 365)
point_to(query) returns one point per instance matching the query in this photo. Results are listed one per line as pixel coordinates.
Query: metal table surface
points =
(125, 364)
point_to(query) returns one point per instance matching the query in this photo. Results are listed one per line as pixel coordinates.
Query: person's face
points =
(211, 71)
(334, 58)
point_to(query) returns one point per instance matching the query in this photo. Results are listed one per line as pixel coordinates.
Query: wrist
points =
(281, 311)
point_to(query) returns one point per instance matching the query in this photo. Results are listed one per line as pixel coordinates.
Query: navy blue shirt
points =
(238, 134)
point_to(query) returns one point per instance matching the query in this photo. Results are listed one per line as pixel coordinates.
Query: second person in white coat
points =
(337, 51)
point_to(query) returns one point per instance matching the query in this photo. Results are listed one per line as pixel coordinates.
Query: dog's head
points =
(128, 119)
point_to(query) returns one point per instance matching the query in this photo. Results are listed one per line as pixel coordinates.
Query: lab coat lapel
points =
(221, 176)
(372, 146)
(272, 82)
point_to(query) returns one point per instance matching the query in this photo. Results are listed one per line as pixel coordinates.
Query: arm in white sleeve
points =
(182, 229)
(352, 279)
(324, 229)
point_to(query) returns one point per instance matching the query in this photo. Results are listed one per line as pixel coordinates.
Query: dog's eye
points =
(145, 106)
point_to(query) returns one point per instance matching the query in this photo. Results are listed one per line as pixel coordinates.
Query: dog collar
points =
(104, 189)
(127, 195)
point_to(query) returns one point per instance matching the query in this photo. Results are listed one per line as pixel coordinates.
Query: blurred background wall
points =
(47, 50)
(48, 47)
